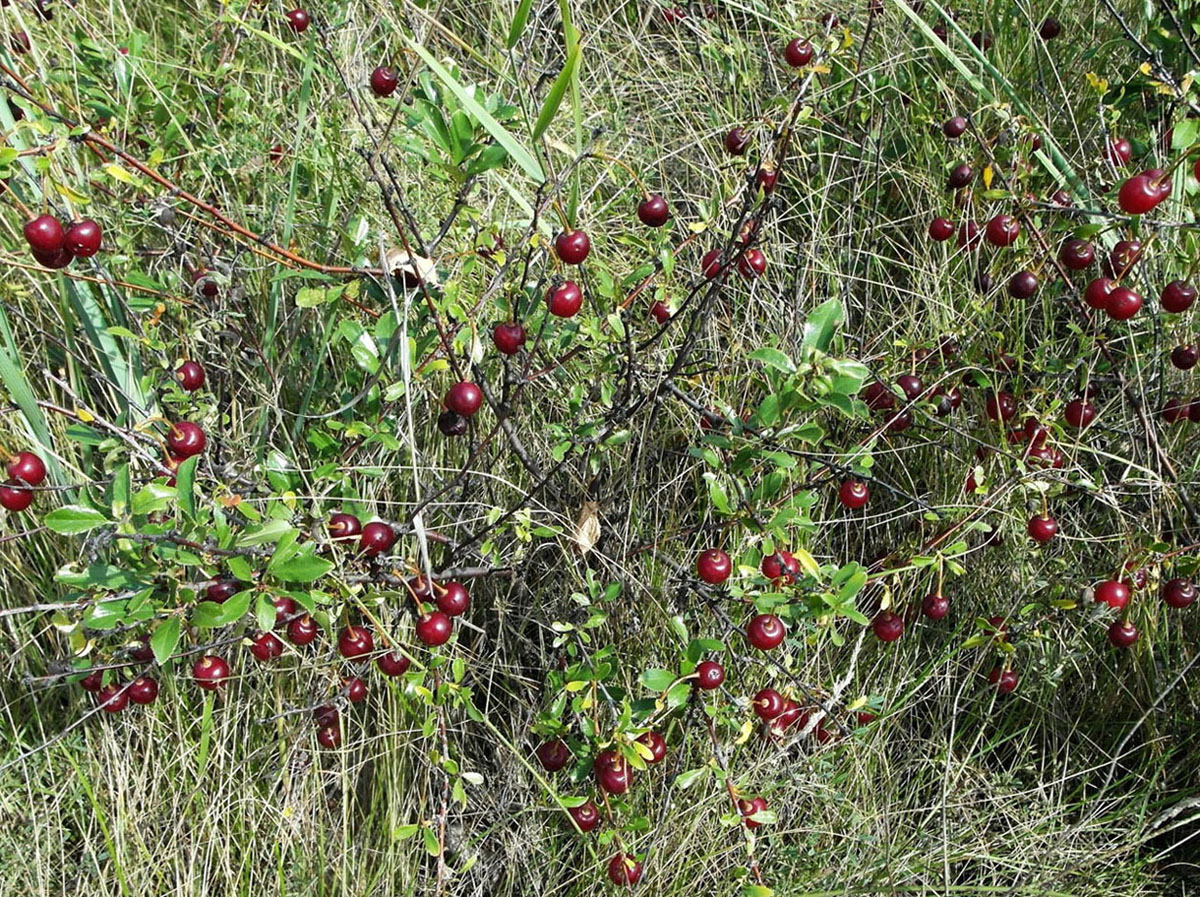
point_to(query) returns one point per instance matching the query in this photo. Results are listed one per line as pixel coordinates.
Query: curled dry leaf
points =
(587, 527)
(412, 269)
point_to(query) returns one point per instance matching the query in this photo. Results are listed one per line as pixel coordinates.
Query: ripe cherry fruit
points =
(190, 375)
(565, 300)
(954, 127)
(453, 599)
(82, 239)
(265, 646)
(1079, 413)
(612, 772)
(15, 497)
(210, 672)
(354, 642)
(624, 869)
(1096, 293)
(781, 568)
(393, 664)
(384, 81)
(1076, 254)
(28, 467)
(1139, 195)
(1042, 528)
(45, 235)
(713, 566)
(766, 631)
(655, 744)
(508, 337)
(464, 398)
(143, 690)
(1003, 230)
(586, 816)
(377, 538)
(1177, 296)
(185, 439)
(434, 629)
(1004, 680)
(1123, 304)
(303, 630)
(736, 142)
(798, 53)
(1120, 151)
(941, 229)
(553, 755)
(935, 606)
(887, 626)
(298, 20)
(768, 704)
(343, 526)
(1179, 593)
(752, 264)
(112, 698)
(709, 675)
(653, 211)
(572, 247)
(1113, 593)
(1122, 633)
(853, 494)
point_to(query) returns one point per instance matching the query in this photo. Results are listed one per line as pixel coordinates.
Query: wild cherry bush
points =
(573, 448)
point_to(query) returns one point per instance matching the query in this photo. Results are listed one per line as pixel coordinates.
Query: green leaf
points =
(821, 324)
(1184, 135)
(432, 847)
(151, 498)
(72, 519)
(120, 491)
(557, 92)
(271, 531)
(240, 568)
(520, 20)
(404, 832)
(768, 411)
(756, 891)
(185, 482)
(657, 680)
(502, 135)
(209, 614)
(686, 780)
(774, 358)
(264, 612)
(302, 566)
(165, 639)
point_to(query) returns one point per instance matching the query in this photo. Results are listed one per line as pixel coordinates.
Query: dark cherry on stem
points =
(377, 538)
(612, 772)
(653, 211)
(190, 375)
(508, 338)
(434, 629)
(384, 81)
(709, 675)
(553, 755)
(355, 642)
(713, 566)
(210, 672)
(298, 20)
(82, 238)
(766, 631)
(887, 626)
(798, 53)
(572, 247)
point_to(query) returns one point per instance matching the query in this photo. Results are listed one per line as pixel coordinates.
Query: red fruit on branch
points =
(713, 566)
(210, 672)
(28, 467)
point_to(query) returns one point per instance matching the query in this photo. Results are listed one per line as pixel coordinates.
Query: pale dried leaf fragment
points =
(587, 527)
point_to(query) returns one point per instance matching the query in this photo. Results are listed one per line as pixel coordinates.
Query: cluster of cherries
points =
(55, 246)
(438, 603)
(26, 471)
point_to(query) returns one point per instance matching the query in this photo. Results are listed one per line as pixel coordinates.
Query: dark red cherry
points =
(28, 467)
(1005, 681)
(1177, 296)
(265, 646)
(82, 238)
(752, 264)
(887, 626)
(393, 664)
(1138, 195)
(143, 690)
(355, 642)
(565, 300)
(285, 609)
(713, 566)
(1179, 593)
(969, 235)
(384, 81)
(709, 675)
(624, 869)
(451, 424)
(798, 53)
(941, 229)
(1185, 357)
(879, 397)
(572, 247)
(190, 376)
(653, 211)
(1050, 28)
(768, 704)
(45, 235)
(1125, 254)
(302, 630)
(185, 439)
(1023, 285)
(781, 568)
(655, 744)
(553, 755)
(711, 265)
(112, 698)
(377, 538)
(960, 176)
(586, 816)
(954, 127)
(911, 385)
(15, 497)
(1097, 291)
(1112, 592)
(1003, 230)
(612, 772)
(343, 526)
(747, 809)
(298, 20)
(661, 312)
(508, 337)
(853, 494)
(1042, 528)
(1079, 413)
(736, 142)
(1076, 254)
(935, 605)
(434, 629)
(1122, 633)
(210, 672)
(356, 690)
(452, 598)
(1123, 304)
(222, 590)
(766, 631)
(329, 737)
(464, 398)
(1000, 406)
(1120, 151)
(1173, 411)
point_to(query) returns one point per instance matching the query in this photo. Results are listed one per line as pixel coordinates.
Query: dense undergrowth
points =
(335, 261)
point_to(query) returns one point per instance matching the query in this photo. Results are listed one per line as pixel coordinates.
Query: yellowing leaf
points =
(987, 177)
(84, 415)
(72, 194)
(1098, 84)
(117, 173)
(807, 561)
